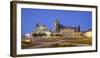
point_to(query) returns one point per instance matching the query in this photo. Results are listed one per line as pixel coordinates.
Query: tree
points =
(34, 34)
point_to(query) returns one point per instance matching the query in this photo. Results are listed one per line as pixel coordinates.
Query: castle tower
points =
(56, 26)
(78, 28)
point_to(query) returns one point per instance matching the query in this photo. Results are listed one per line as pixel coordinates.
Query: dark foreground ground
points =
(55, 42)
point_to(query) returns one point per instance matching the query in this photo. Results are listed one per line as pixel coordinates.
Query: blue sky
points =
(29, 18)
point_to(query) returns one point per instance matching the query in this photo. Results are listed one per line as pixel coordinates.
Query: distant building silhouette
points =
(88, 33)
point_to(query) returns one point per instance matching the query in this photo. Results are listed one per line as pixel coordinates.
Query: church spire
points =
(37, 23)
(56, 21)
(56, 25)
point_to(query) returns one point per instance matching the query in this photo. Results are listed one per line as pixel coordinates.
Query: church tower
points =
(56, 25)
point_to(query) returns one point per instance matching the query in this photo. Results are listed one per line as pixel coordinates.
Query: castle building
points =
(68, 32)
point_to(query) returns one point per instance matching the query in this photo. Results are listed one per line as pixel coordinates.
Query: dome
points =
(41, 28)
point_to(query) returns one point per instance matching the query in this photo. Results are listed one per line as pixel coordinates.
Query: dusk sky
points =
(29, 18)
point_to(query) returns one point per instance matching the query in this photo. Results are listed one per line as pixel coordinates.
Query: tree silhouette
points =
(34, 34)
